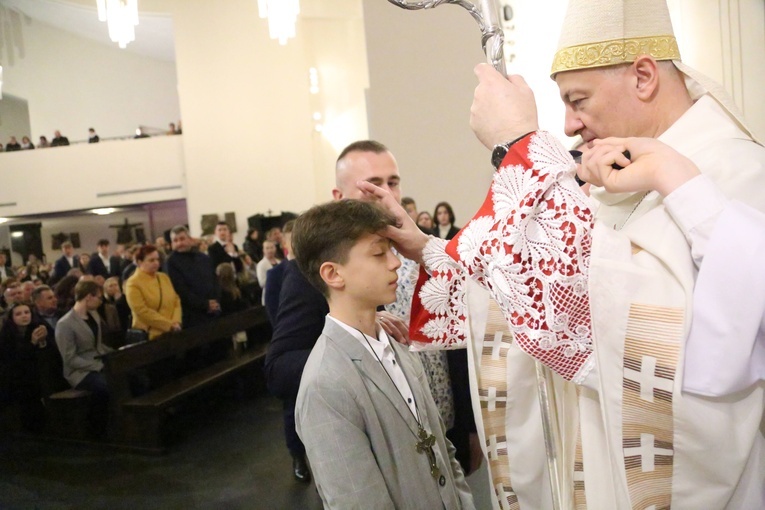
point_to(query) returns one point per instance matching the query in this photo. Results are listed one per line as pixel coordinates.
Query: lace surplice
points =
(529, 246)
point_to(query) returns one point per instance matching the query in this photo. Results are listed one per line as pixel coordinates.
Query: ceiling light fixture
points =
(103, 211)
(282, 16)
(121, 16)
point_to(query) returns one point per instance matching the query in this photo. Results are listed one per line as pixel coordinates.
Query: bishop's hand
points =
(503, 109)
(652, 165)
(407, 237)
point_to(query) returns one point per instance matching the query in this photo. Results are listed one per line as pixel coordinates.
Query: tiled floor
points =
(226, 453)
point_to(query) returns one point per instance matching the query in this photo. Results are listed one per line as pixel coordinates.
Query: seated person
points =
(79, 339)
(231, 298)
(113, 295)
(27, 352)
(372, 432)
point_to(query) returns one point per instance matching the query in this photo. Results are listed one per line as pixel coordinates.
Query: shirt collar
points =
(379, 344)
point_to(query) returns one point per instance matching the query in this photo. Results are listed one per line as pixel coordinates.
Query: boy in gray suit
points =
(371, 430)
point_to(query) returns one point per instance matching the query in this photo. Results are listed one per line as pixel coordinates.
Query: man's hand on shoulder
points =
(394, 326)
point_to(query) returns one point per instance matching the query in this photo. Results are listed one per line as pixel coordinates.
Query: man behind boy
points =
(371, 430)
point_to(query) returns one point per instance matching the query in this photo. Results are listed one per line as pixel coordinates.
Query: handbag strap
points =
(159, 282)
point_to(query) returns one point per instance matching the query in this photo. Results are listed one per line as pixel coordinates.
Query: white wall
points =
(725, 39)
(421, 88)
(73, 83)
(250, 144)
(14, 118)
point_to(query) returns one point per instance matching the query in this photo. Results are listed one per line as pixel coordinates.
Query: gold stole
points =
(651, 351)
(492, 391)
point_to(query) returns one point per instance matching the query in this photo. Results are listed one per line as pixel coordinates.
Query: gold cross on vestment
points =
(425, 445)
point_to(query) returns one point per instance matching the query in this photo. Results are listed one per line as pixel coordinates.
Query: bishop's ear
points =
(646, 71)
(331, 276)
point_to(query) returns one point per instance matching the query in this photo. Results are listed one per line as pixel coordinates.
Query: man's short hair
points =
(179, 229)
(363, 146)
(224, 224)
(67, 244)
(38, 292)
(85, 288)
(326, 233)
(407, 201)
(103, 242)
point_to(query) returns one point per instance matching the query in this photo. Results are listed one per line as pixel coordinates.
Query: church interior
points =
(263, 122)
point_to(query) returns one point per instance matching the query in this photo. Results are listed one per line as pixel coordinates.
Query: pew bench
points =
(137, 421)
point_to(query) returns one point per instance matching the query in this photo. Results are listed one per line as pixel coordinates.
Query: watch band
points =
(500, 150)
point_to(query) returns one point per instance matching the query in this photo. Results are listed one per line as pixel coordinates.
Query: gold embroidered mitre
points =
(600, 33)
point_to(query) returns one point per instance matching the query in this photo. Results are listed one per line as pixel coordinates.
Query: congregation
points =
(567, 340)
(57, 319)
(60, 140)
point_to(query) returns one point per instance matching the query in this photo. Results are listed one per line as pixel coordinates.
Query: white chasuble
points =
(607, 305)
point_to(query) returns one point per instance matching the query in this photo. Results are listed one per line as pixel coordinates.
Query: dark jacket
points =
(28, 371)
(62, 266)
(96, 266)
(299, 323)
(452, 232)
(274, 280)
(193, 278)
(219, 256)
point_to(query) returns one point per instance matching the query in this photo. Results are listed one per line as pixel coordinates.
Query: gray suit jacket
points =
(79, 347)
(360, 435)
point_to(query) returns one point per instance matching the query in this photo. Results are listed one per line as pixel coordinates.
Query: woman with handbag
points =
(152, 299)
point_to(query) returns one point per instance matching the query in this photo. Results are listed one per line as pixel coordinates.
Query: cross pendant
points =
(425, 445)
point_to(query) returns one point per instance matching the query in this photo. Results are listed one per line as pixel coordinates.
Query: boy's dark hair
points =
(102, 242)
(84, 289)
(327, 232)
(407, 201)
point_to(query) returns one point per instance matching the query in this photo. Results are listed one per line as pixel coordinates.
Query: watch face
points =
(497, 155)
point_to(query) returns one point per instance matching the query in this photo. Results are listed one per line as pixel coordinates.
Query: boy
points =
(364, 412)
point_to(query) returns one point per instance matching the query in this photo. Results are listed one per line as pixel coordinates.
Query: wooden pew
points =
(136, 422)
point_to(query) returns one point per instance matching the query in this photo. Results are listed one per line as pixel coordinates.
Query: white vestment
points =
(644, 442)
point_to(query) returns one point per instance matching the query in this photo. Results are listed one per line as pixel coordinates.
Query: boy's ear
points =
(331, 276)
